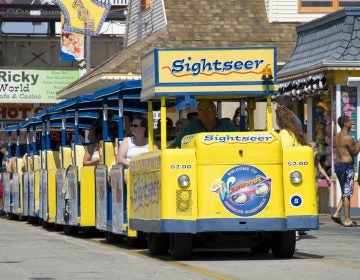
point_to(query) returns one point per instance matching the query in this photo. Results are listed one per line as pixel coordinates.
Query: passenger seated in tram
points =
(92, 153)
(137, 143)
(207, 122)
(180, 125)
(241, 125)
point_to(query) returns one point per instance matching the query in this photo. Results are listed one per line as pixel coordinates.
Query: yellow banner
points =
(83, 16)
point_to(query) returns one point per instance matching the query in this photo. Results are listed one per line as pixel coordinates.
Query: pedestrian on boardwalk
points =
(345, 150)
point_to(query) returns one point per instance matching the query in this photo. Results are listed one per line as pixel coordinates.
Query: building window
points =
(320, 6)
(145, 4)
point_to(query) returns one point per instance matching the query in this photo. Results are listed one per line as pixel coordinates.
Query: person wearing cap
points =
(207, 122)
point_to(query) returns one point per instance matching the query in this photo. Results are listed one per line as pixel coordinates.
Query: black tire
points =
(112, 238)
(71, 230)
(23, 218)
(284, 244)
(12, 216)
(158, 243)
(181, 246)
(33, 220)
(136, 242)
(262, 248)
(89, 231)
(47, 225)
(58, 227)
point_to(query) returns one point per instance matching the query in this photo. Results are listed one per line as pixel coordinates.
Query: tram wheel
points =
(284, 243)
(158, 243)
(136, 242)
(58, 227)
(112, 237)
(46, 224)
(32, 220)
(263, 247)
(22, 218)
(180, 246)
(70, 230)
(12, 216)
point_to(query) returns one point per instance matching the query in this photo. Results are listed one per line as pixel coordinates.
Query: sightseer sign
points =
(183, 66)
(220, 71)
(33, 86)
(22, 76)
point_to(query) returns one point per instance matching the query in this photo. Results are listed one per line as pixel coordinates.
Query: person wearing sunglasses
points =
(135, 144)
(207, 122)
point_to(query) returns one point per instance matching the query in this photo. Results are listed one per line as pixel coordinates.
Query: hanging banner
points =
(72, 45)
(33, 86)
(83, 16)
(348, 107)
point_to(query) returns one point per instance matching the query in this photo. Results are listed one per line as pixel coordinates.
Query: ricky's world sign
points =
(33, 86)
(207, 71)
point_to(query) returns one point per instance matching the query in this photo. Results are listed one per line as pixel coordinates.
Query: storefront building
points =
(323, 75)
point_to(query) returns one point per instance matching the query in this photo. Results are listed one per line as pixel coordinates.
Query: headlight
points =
(295, 177)
(184, 181)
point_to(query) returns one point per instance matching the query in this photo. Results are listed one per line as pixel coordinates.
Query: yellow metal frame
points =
(53, 164)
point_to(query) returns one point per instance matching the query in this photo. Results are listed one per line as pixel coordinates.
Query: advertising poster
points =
(26, 194)
(31, 194)
(44, 198)
(60, 198)
(72, 45)
(72, 207)
(118, 198)
(101, 198)
(15, 194)
(6, 195)
(348, 107)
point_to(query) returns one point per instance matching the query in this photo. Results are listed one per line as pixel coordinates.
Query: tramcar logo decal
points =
(234, 139)
(244, 190)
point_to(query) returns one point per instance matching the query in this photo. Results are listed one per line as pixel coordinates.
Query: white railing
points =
(116, 2)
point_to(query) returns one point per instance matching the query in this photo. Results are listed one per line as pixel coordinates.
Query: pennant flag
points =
(83, 16)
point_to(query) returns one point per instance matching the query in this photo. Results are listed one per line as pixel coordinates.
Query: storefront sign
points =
(12, 112)
(33, 86)
(220, 71)
(349, 105)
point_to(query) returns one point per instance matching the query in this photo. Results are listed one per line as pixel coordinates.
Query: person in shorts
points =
(345, 150)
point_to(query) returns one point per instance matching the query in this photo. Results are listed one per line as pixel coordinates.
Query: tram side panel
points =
(156, 202)
(18, 200)
(6, 195)
(49, 186)
(87, 196)
(300, 198)
(34, 176)
(103, 207)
